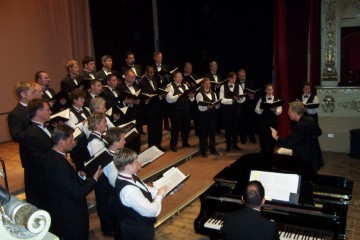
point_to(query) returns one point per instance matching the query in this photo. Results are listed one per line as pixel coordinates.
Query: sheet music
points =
(63, 114)
(124, 110)
(278, 186)
(285, 151)
(123, 125)
(130, 132)
(172, 71)
(198, 81)
(149, 155)
(76, 132)
(171, 178)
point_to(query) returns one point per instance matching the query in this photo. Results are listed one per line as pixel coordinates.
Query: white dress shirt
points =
(199, 97)
(131, 196)
(95, 145)
(170, 98)
(74, 121)
(229, 101)
(258, 110)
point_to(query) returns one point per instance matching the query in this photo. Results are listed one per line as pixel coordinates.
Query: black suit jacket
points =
(139, 71)
(303, 140)
(47, 96)
(85, 75)
(248, 224)
(162, 79)
(18, 121)
(102, 75)
(110, 98)
(37, 143)
(68, 84)
(67, 195)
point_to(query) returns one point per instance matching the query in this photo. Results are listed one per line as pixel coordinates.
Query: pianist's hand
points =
(274, 134)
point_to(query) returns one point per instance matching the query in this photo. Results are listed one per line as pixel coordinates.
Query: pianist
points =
(247, 223)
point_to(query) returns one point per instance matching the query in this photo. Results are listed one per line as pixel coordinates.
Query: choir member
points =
(88, 71)
(130, 64)
(37, 143)
(153, 108)
(94, 91)
(107, 63)
(179, 110)
(140, 204)
(231, 95)
(207, 118)
(67, 189)
(308, 97)
(267, 118)
(248, 118)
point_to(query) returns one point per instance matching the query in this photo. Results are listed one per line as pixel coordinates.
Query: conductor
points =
(247, 223)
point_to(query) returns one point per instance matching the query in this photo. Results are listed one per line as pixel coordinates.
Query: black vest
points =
(129, 215)
(182, 103)
(227, 91)
(78, 115)
(263, 99)
(311, 98)
(206, 99)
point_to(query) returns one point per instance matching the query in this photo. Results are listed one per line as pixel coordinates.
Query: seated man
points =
(248, 224)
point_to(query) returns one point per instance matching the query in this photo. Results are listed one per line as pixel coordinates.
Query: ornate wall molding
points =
(339, 101)
(330, 33)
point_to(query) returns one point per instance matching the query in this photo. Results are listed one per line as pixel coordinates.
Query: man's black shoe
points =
(228, 149)
(204, 155)
(214, 152)
(162, 149)
(173, 148)
(236, 147)
(186, 145)
(108, 234)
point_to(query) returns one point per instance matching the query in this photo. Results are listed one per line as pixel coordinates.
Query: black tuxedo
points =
(37, 143)
(102, 75)
(110, 98)
(67, 195)
(133, 113)
(212, 79)
(68, 84)
(86, 75)
(138, 69)
(248, 224)
(48, 94)
(18, 121)
(87, 99)
(152, 113)
(163, 80)
(248, 117)
(303, 140)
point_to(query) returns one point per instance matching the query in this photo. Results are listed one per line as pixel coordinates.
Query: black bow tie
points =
(231, 86)
(178, 86)
(269, 98)
(80, 111)
(306, 96)
(207, 92)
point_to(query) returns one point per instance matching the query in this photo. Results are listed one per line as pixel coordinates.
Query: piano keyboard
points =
(286, 232)
(290, 232)
(216, 221)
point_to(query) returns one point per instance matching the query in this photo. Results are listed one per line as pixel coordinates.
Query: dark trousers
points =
(103, 193)
(230, 120)
(207, 129)
(138, 232)
(154, 118)
(267, 142)
(247, 123)
(165, 116)
(180, 122)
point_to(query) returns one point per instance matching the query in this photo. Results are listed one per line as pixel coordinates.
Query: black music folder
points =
(309, 105)
(125, 94)
(101, 158)
(277, 103)
(186, 93)
(239, 95)
(251, 90)
(161, 91)
(205, 103)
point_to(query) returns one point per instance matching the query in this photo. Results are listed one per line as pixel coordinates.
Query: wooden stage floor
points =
(179, 210)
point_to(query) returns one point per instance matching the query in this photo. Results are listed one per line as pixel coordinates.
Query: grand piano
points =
(319, 213)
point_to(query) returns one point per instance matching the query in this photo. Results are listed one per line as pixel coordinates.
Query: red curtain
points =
(281, 62)
(295, 24)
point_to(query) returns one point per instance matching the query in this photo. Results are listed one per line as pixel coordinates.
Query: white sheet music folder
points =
(149, 155)
(171, 178)
(279, 186)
